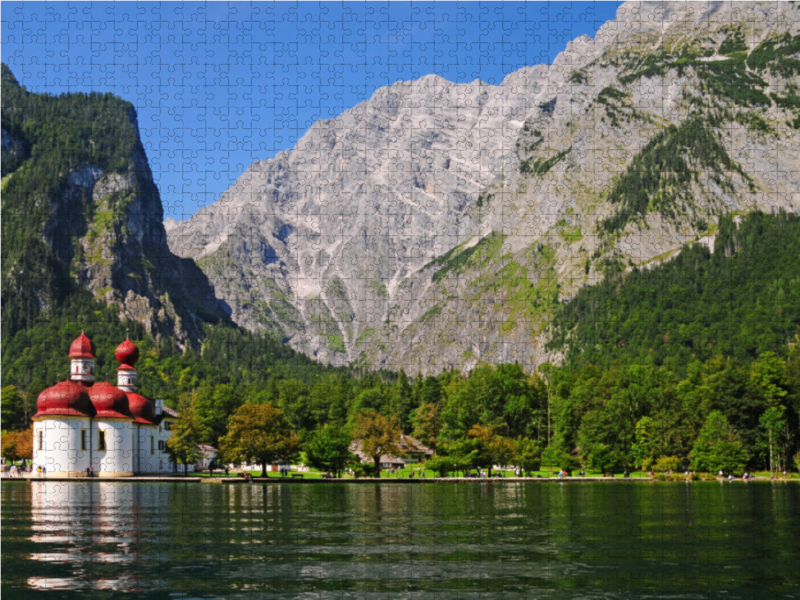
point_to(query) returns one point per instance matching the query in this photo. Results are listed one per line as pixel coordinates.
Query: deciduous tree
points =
(259, 434)
(187, 433)
(379, 435)
(17, 445)
(329, 449)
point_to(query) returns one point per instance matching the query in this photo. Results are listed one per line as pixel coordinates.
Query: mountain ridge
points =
(336, 244)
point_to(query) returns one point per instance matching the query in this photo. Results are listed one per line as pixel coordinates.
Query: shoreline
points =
(368, 480)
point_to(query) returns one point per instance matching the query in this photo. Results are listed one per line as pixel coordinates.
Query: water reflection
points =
(93, 525)
(488, 541)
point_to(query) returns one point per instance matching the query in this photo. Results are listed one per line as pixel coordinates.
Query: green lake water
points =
(391, 541)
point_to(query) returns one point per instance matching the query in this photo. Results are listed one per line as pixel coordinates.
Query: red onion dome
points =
(81, 347)
(127, 353)
(141, 408)
(109, 401)
(64, 398)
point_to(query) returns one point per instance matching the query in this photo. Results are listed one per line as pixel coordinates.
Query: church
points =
(112, 429)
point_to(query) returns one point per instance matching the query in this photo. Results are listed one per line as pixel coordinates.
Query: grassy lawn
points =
(405, 474)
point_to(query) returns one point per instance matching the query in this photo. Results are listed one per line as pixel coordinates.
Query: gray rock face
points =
(122, 254)
(437, 224)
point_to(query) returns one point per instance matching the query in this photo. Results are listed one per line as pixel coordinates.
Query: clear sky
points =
(219, 85)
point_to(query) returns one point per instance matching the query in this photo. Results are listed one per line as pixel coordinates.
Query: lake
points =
(394, 541)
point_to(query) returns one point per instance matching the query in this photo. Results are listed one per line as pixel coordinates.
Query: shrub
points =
(667, 463)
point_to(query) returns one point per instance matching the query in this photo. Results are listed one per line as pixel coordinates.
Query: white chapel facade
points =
(112, 429)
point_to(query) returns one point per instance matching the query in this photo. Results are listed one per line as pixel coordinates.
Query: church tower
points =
(127, 354)
(82, 363)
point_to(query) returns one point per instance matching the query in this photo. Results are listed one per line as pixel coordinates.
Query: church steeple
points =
(127, 354)
(82, 364)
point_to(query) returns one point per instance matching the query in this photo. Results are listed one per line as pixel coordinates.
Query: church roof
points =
(127, 354)
(101, 399)
(66, 398)
(81, 347)
(109, 401)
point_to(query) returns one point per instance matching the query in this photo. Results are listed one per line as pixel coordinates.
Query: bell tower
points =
(82, 363)
(127, 354)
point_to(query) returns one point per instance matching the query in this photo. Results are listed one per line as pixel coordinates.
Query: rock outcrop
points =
(438, 225)
(89, 217)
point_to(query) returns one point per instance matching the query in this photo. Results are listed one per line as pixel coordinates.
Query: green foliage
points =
(578, 77)
(718, 447)
(667, 463)
(456, 259)
(36, 357)
(329, 449)
(725, 79)
(187, 433)
(540, 166)
(659, 177)
(259, 434)
(569, 233)
(754, 121)
(54, 136)
(741, 301)
(443, 465)
(503, 397)
(12, 404)
(529, 455)
(733, 43)
(777, 55)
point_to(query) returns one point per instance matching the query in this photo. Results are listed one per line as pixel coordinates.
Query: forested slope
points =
(739, 301)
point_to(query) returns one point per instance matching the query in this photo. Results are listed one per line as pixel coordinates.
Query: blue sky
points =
(220, 85)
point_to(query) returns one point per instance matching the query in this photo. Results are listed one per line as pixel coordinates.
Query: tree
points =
(379, 435)
(329, 449)
(17, 445)
(602, 458)
(11, 406)
(529, 455)
(213, 405)
(187, 433)
(401, 400)
(260, 434)
(643, 450)
(466, 453)
(443, 465)
(772, 424)
(427, 424)
(718, 447)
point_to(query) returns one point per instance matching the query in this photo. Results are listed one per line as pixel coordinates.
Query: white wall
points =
(125, 455)
(61, 449)
(118, 457)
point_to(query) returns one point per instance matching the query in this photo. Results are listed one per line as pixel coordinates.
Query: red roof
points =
(141, 408)
(81, 347)
(109, 401)
(127, 353)
(64, 398)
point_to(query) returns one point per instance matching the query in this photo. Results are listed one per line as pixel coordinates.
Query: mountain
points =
(440, 224)
(81, 213)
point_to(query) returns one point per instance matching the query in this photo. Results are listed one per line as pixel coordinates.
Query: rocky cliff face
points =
(439, 224)
(89, 217)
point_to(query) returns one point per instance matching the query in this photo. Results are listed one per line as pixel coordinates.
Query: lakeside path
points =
(368, 480)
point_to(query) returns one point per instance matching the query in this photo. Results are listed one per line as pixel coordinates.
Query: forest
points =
(691, 364)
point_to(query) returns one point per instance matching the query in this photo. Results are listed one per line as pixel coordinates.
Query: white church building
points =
(113, 429)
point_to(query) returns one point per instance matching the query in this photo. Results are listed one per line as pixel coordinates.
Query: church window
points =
(167, 426)
(83, 440)
(161, 445)
(151, 444)
(41, 440)
(101, 440)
